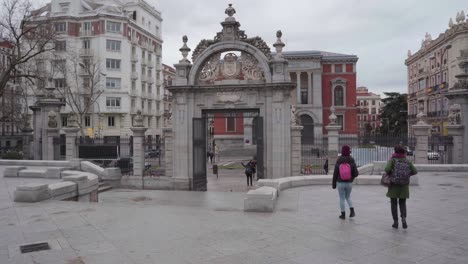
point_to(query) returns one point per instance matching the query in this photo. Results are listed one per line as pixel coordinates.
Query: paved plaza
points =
(134, 226)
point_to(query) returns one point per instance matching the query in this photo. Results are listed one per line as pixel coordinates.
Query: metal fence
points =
(440, 150)
(314, 155)
(154, 157)
(107, 151)
(364, 150)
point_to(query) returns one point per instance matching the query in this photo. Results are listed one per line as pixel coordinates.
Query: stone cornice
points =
(230, 88)
(442, 39)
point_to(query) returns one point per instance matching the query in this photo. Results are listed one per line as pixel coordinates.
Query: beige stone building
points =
(369, 105)
(435, 69)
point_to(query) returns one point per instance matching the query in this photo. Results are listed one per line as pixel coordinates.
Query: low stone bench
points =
(262, 199)
(55, 172)
(33, 173)
(31, 193)
(12, 171)
(63, 190)
(86, 182)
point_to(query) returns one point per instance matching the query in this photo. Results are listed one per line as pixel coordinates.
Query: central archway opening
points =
(233, 138)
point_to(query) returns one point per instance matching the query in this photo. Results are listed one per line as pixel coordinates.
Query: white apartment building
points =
(122, 38)
(369, 105)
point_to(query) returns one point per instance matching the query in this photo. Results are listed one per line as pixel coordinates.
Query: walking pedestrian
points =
(343, 176)
(400, 169)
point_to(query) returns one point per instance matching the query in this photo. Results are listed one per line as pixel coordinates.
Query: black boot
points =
(394, 206)
(342, 216)
(403, 223)
(351, 214)
(402, 203)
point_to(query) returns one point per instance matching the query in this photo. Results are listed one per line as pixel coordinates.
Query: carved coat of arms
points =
(231, 65)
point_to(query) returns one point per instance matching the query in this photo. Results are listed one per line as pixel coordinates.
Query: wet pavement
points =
(132, 226)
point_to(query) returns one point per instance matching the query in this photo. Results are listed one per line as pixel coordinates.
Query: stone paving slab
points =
(132, 226)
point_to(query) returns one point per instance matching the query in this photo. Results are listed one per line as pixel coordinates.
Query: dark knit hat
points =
(345, 150)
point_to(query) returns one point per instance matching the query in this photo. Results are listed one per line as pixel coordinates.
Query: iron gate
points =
(199, 154)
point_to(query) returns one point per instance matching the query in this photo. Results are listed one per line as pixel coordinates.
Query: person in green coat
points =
(398, 191)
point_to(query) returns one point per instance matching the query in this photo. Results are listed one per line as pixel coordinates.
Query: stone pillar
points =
(298, 87)
(138, 150)
(49, 146)
(309, 88)
(28, 152)
(421, 131)
(168, 145)
(317, 89)
(70, 142)
(456, 131)
(296, 150)
(333, 142)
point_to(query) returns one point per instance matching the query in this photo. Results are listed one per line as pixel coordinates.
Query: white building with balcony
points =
(123, 39)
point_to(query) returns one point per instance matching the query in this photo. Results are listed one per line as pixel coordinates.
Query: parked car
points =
(154, 153)
(409, 152)
(432, 155)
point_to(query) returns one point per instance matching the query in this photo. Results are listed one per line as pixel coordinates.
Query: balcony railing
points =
(144, 78)
(134, 75)
(86, 52)
(150, 64)
(134, 40)
(144, 61)
(134, 58)
(86, 33)
(150, 79)
(133, 92)
(437, 114)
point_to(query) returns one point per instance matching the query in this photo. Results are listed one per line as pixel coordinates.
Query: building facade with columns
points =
(369, 105)
(168, 74)
(433, 71)
(121, 42)
(323, 80)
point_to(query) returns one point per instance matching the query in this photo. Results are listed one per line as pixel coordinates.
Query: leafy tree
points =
(394, 114)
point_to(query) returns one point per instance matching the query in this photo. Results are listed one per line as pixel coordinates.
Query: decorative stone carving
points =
(204, 43)
(231, 67)
(184, 50)
(49, 92)
(250, 68)
(52, 123)
(228, 97)
(209, 71)
(421, 117)
(72, 121)
(295, 121)
(332, 117)
(455, 114)
(450, 23)
(261, 45)
(460, 85)
(409, 53)
(138, 120)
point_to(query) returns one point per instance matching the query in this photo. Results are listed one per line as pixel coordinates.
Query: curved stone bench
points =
(75, 184)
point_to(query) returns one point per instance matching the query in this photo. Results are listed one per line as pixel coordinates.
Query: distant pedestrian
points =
(400, 169)
(325, 166)
(249, 171)
(343, 176)
(210, 156)
(216, 153)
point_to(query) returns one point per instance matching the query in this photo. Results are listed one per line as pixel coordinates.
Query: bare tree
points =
(29, 38)
(82, 86)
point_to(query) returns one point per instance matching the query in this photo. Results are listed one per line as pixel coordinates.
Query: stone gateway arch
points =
(231, 73)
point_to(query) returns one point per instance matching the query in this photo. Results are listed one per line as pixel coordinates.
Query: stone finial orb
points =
(279, 45)
(230, 11)
(185, 50)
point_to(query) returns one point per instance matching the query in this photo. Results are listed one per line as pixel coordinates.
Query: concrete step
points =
(32, 173)
(103, 187)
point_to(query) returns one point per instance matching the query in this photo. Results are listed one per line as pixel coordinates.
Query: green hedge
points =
(13, 155)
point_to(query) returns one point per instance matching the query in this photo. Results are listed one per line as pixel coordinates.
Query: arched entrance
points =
(308, 131)
(231, 73)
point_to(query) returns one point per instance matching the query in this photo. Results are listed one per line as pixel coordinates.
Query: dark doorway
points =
(308, 130)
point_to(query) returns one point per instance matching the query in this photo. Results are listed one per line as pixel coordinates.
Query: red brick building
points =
(323, 80)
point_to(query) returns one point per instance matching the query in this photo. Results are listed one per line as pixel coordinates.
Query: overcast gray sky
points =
(378, 32)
